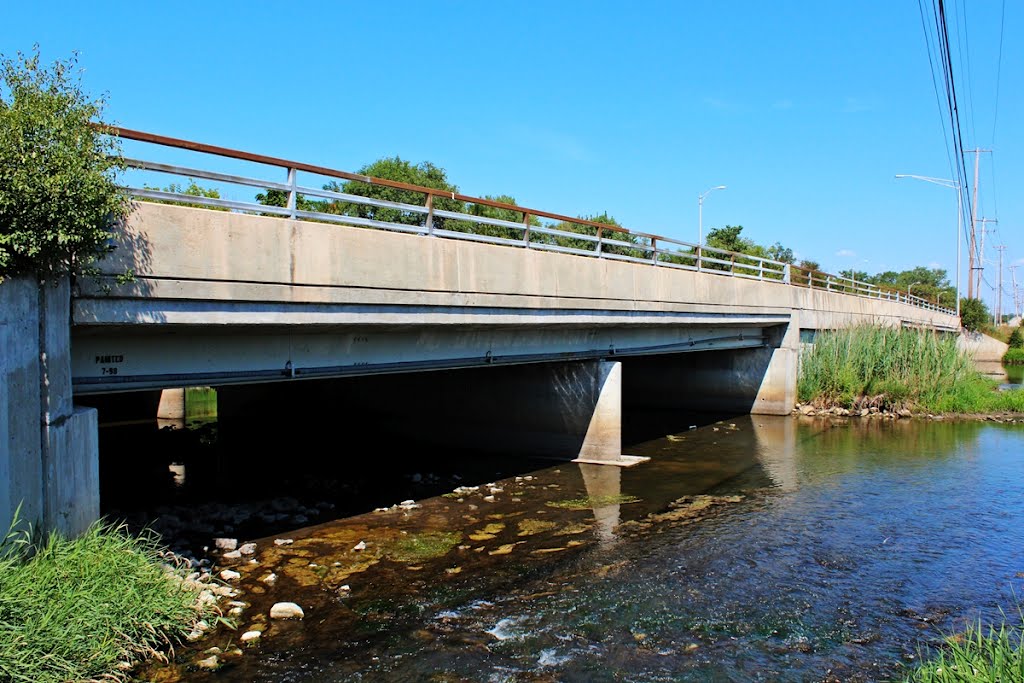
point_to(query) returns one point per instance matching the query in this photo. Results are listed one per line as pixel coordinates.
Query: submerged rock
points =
(250, 636)
(225, 543)
(286, 610)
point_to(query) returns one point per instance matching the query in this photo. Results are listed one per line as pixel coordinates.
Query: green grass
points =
(76, 609)
(200, 402)
(894, 368)
(975, 656)
(1014, 357)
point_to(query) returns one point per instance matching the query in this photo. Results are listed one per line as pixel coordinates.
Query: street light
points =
(911, 285)
(945, 182)
(700, 213)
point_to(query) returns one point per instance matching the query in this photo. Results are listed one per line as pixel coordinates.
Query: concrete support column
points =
(776, 394)
(601, 387)
(49, 451)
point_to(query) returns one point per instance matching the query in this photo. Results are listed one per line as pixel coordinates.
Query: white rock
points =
(345, 588)
(286, 610)
(247, 549)
(250, 636)
(229, 575)
(209, 663)
(225, 543)
(360, 546)
(269, 579)
(233, 555)
(283, 541)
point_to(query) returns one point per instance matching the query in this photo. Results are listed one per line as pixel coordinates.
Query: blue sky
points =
(804, 110)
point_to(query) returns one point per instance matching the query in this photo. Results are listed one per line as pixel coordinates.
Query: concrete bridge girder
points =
(114, 358)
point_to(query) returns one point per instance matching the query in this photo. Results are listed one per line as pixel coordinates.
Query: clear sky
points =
(804, 110)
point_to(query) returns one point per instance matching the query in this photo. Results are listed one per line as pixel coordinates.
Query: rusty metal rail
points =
(568, 234)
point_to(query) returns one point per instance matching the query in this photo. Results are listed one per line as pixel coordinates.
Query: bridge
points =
(530, 324)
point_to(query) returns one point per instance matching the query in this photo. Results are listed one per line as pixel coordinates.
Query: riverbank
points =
(897, 371)
(809, 410)
(95, 606)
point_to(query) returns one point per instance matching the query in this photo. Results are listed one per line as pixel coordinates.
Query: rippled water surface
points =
(755, 549)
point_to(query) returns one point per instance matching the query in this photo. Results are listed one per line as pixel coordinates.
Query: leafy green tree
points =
(974, 314)
(280, 198)
(729, 239)
(395, 168)
(487, 211)
(777, 252)
(614, 242)
(859, 275)
(192, 190)
(1016, 340)
(58, 196)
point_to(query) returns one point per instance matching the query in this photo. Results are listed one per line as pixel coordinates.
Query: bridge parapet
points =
(487, 222)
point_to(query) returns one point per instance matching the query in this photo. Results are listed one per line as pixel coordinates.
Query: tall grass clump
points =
(976, 656)
(894, 368)
(84, 608)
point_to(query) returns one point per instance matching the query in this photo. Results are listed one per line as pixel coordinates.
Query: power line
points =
(999, 71)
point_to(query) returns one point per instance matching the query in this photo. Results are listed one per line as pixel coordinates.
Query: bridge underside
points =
(326, 343)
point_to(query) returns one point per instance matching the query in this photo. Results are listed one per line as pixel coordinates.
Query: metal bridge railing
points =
(533, 229)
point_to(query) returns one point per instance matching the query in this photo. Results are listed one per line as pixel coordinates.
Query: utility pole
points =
(972, 247)
(981, 250)
(1016, 295)
(999, 295)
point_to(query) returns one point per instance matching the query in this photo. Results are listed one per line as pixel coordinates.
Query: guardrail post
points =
(654, 250)
(698, 259)
(828, 283)
(599, 243)
(291, 193)
(787, 276)
(430, 214)
(760, 270)
(526, 230)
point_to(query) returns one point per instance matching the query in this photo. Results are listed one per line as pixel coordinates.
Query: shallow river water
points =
(754, 549)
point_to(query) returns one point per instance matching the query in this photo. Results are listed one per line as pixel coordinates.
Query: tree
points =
(395, 168)
(487, 211)
(58, 198)
(974, 314)
(1016, 340)
(613, 241)
(777, 252)
(280, 198)
(192, 190)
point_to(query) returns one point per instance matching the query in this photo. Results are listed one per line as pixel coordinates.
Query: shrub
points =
(1016, 340)
(58, 198)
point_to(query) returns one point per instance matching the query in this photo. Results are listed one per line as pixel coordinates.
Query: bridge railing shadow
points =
(346, 198)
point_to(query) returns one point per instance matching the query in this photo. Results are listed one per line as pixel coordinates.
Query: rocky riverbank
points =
(874, 412)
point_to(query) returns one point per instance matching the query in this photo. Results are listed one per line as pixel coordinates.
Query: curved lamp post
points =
(945, 182)
(700, 213)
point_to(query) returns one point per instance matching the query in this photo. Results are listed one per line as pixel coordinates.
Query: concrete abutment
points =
(49, 454)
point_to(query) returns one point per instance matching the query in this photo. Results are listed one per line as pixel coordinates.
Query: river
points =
(751, 549)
